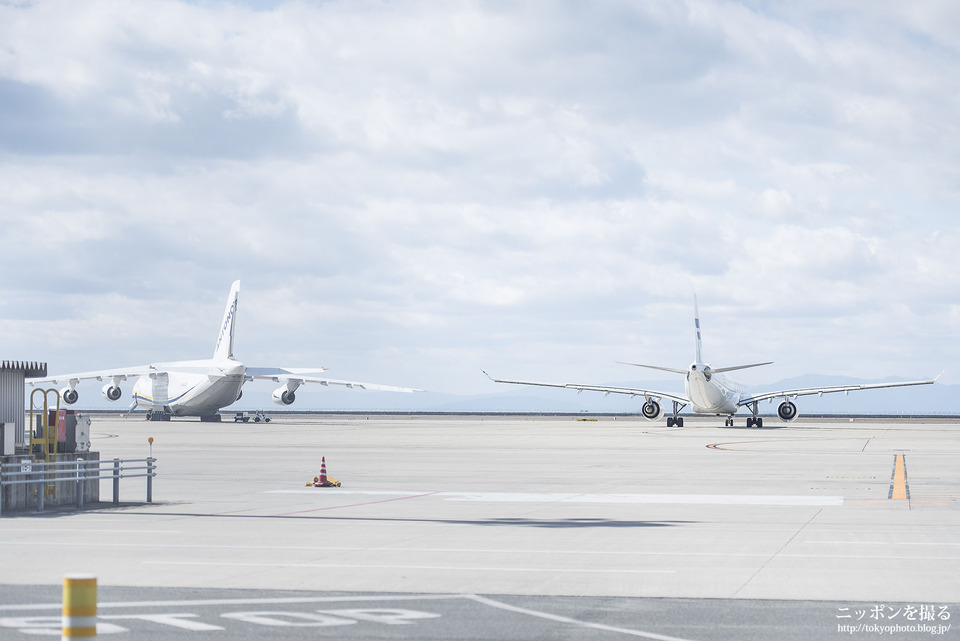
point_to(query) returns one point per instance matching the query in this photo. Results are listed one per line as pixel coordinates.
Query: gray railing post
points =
(79, 483)
(41, 487)
(150, 479)
(116, 481)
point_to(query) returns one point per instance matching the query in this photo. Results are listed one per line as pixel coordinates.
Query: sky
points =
(412, 191)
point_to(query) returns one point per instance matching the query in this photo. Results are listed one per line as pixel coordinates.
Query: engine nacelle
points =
(111, 392)
(69, 396)
(651, 410)
(283, 396)
(787, 411)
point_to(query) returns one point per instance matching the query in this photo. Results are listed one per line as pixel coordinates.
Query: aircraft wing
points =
(631, 391)
(299, 376)
(819, 391)
(119, 374)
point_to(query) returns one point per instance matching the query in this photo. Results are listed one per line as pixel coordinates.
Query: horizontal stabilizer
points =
(721, 370)
(662, 369)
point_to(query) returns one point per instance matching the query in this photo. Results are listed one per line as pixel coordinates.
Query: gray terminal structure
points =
(13, 375)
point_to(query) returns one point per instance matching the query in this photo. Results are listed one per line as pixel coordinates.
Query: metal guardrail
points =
(40, 474)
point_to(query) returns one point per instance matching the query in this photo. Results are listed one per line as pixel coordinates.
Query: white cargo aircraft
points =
(203, 387)
(707, 392)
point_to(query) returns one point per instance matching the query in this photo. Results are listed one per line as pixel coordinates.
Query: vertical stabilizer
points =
(696, 322)
(224, 347)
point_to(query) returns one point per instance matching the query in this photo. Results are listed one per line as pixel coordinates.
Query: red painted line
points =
(338, 507)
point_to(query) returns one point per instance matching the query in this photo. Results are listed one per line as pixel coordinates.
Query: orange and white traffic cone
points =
(323, 480)
(323, 472)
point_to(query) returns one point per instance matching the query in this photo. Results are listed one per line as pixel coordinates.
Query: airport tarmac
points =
(838, 512)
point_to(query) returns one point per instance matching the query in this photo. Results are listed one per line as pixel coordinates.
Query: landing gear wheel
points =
(759, 422)
(750, 422)
(670, 422)
(679, 422)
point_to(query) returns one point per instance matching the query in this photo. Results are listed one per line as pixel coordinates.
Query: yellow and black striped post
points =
(79, 606)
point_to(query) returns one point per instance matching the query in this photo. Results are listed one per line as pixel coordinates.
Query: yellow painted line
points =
(898, 488)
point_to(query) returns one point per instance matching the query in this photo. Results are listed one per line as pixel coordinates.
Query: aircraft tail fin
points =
(696, 323)
(224, 347)
(715, 370)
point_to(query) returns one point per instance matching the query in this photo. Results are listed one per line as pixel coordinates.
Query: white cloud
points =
(518, 184)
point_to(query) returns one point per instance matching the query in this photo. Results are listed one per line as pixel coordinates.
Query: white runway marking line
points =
(688, 499)
(562, 619)
(360, 566)
(12, 530)
(333, 493)
(881, 543)
(665, 499)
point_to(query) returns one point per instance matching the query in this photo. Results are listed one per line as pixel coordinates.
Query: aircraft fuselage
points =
(711, 393)
(191, 388)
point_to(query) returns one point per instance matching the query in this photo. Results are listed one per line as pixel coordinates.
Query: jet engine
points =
(111, 392)
(651, 410)
(69, 396)
(787, 411)
(283, 396)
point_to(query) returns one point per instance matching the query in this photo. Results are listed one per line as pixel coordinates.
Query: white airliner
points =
(203, 387)
(707, 392)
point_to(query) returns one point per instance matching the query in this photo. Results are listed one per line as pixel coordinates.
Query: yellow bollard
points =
(79, 606)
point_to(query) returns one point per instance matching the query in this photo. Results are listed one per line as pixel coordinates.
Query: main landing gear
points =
(753, 421)
(676, 420)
